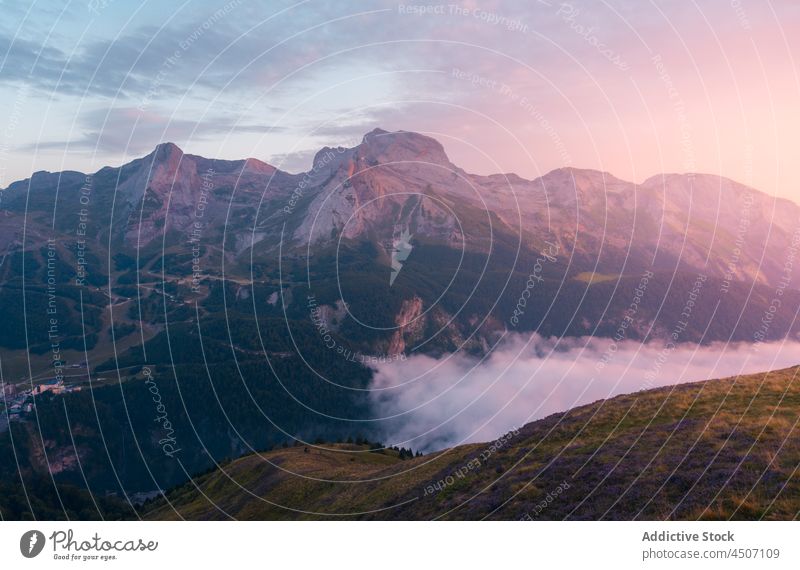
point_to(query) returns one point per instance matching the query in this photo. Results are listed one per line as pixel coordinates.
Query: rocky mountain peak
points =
(380, 146)
(167, 152)
(585, 180)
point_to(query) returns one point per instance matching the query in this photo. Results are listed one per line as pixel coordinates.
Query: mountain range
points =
(405, 179)
(184, 223)
(258, 302)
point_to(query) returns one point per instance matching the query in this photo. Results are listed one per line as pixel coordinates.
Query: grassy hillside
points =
(721, 449)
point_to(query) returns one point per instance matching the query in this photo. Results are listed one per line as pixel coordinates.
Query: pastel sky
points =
(632, 87)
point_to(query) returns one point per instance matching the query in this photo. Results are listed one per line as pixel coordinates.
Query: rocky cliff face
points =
(383, 184)
(463, 235)
(411, 324)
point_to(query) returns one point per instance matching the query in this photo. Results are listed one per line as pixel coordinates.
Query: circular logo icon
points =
(31, 544)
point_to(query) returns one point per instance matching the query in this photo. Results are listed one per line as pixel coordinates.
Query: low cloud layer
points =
(433, 403)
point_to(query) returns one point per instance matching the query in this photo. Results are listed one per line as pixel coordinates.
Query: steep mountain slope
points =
(721, 449)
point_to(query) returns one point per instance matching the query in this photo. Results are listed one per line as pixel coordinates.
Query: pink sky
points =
(630, 87)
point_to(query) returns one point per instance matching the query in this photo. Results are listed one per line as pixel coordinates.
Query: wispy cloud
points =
(132, 131)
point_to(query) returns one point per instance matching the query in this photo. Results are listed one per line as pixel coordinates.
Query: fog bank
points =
(431, 403)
